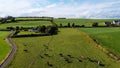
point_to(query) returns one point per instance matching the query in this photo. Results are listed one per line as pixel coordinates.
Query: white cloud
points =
(45, 8)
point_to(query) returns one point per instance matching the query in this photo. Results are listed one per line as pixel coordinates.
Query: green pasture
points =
(4, 46)
(86, 22)
(27, 32)
(69, 41)
(25, 24)
(107, 37)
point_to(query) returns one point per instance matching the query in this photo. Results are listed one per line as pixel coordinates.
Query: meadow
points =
(86, 22)
(4, 46)
(24, 24)
(70, 44)
(71, 48)
(107, 37)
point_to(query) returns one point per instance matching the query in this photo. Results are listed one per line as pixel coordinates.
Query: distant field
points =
(4, 47)
(86, 22)
(25, 24)
(26, 32)
(107, 37)
(31, 51)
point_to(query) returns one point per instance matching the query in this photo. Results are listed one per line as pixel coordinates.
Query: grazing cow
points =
(67, 60)
(91, 60)
(79, 60)
(46, 47)
(102, 64)
(49, 64)
(61, 54)
(47, 55)
(41, 56)
(25, 50)
(70, 56)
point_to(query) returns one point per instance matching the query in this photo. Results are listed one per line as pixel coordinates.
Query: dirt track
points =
(12, 52)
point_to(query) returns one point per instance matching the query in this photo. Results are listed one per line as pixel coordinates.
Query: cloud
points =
(60, 9)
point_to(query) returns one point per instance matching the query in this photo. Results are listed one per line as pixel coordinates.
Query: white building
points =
(116, 22)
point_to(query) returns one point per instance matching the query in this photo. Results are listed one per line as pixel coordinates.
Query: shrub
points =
(61, 25)
(10, 28)
(52, 30)
(82, 25)
(42, 29)
(69, 25)
(73, 24)
(95, 25)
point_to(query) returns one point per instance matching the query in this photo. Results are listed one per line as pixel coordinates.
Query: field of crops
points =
(71, 48)
(4, 47)
(107, 37)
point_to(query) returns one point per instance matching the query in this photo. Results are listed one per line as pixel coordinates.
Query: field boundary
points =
(110, 54)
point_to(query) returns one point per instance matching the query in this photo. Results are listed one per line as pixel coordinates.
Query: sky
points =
(61, 8)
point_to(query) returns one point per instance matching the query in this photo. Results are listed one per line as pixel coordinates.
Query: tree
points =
(60, 24)
(73, 24)
(68, 24)
(17, 28)
(95, 25)
(3, 20)
(52, 30)
(43, 28)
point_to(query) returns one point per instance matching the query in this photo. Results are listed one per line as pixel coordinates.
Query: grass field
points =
(27, 32)
(36, 52)
(25, 24)
(4, 47)
(107, 37)
(86, 22)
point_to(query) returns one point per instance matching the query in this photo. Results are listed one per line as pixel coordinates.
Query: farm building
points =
(32, 30)
(108, 23)
(116, 22)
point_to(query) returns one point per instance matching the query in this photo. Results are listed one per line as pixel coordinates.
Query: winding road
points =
(12, 51)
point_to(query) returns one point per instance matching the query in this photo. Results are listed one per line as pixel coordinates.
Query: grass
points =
(25, 24)
(107, 37)
(69, 41)
(86, 22)
(27, 32)
(4, 47)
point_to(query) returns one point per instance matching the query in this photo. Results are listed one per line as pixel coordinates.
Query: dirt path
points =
(12, 52)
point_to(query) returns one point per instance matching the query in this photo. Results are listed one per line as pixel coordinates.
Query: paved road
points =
(12, 52)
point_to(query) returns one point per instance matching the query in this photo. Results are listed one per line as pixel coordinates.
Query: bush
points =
(82, 25)
(69, 25)
(61, 25)
(73, 24)
(10, 28)
(16, 32)
(42, 29)
(95, 25)
(52, 30)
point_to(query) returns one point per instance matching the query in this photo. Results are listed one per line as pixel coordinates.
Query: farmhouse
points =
(108, 23)
(33, 30)
(116, 22)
